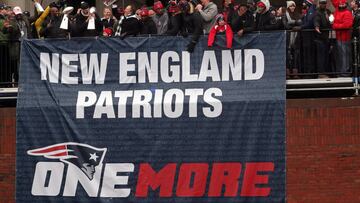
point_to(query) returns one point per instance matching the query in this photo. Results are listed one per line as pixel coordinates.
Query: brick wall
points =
(323, 151)
(7, 154)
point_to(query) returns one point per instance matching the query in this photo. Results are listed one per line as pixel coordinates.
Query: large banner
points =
(142, 120)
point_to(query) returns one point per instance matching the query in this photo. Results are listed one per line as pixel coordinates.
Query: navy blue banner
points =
(142, 120)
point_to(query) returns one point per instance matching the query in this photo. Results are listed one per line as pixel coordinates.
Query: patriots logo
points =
(84, 156)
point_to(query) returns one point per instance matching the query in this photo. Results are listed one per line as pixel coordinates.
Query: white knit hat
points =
(289, 3)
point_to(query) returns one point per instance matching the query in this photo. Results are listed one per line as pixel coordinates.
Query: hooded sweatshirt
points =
(265, 20)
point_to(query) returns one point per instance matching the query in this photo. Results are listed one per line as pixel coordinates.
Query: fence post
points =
(356, 64)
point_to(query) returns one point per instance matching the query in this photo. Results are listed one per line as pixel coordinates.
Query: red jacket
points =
(343, 22)
(215, 29)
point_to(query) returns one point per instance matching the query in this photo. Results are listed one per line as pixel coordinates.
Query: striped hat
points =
(309, 2)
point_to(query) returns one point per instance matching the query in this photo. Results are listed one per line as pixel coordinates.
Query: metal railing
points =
(9, 63)
(10, 57)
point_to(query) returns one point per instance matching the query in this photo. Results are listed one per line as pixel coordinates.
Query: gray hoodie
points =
(208, 13)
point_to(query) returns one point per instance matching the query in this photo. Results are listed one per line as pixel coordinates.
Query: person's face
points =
(279, 12)
(128, 11)
(322, 6)
(342, 5)
(353, 4)
(226, 3)
(292, 8)
(221, 22)
(204, 2)
(107, 13)
(304, 6)
(54, 11)
(260, 9)
(242, 10)
(86, 11)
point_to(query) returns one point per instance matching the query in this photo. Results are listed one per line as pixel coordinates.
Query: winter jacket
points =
(245, 22)
(265, 21)
(193, 25)
(208, 14)
(81, 26)
(130, 26)
(221, 29)
(175, 23)
(308, 18)
(51, 28)
(108, 23)
(161, 22)
(321, 20)
(343, 22)
(148, 27)
(356, 24)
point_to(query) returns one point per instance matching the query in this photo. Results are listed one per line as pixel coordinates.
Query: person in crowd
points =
(108, 20)
(221, 27)
(147, 24)
(279, 17)
(322, 26)
(208, 10)
(22, 23)
(192, 23)
(343, 22)
(355, 8)
(307, 37)
(161, 18)
(264, 20)
(51, 25)
(87, 22)
(128, 24)
(251, 7)
(4, 77)
(292, 22)
(243, 21)
(175, 19)
(228, 10)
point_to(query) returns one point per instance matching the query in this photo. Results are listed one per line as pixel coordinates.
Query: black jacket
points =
(321, 20)
(175, 23)
(130, 26)
(148, 27)
(80, 27)
(193, 24)
(51, 28)
(356, 23)
(265, 21)
(245, 22)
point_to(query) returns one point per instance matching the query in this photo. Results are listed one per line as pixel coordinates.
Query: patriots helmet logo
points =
(84, 156)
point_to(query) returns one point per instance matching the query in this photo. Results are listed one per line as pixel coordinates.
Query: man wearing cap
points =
(192, 23)
(148, 26)
(308, 36)
(322, 26)
(243, 20)
(22, 23)
(82, 20)
(51, 25)
(355, 4)
(264, 20)
(161, 18)
(175, 19)
(128, 24)
(208, 10)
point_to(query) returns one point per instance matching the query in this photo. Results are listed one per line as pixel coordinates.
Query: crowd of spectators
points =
(318, 41)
